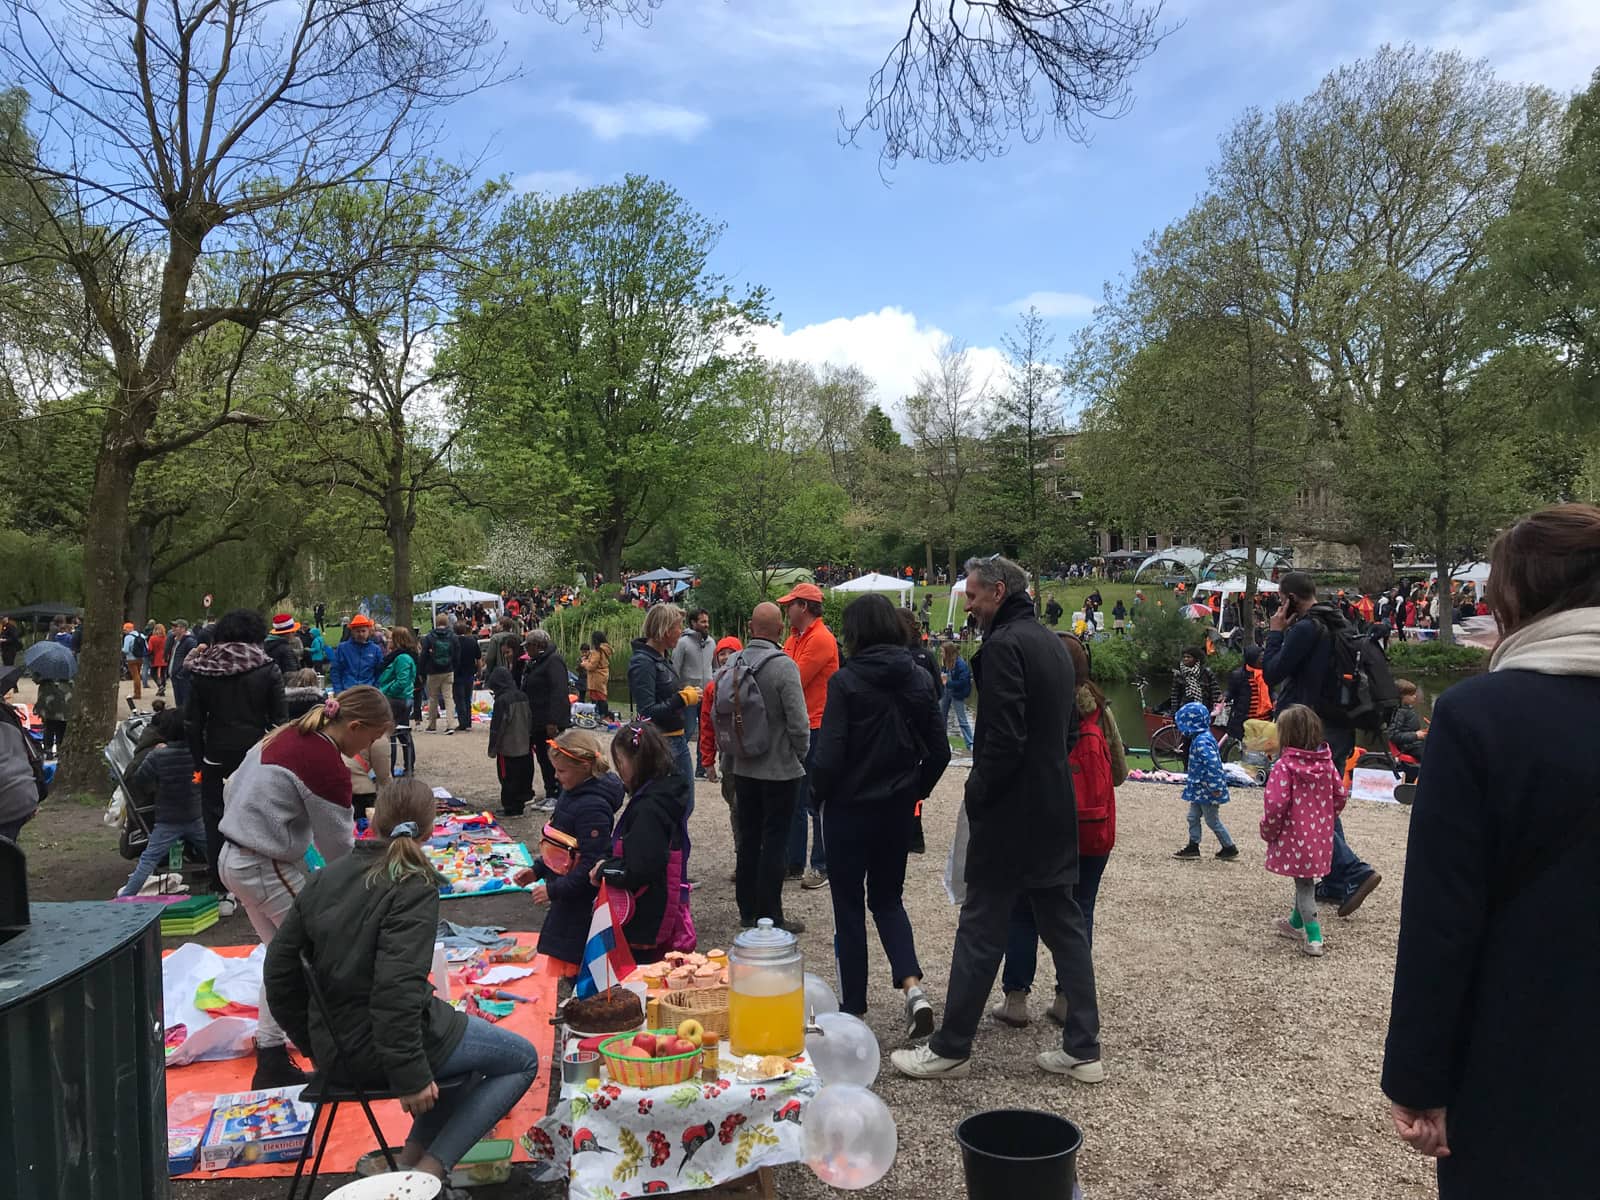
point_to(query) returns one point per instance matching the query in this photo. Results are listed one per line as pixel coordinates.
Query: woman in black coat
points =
(881, 748)
(1491, 1052)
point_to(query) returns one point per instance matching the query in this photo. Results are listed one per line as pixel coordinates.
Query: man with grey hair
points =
(1023, 839)
(544, 682)
(179, 643)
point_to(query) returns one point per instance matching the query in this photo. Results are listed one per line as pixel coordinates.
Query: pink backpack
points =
(677, 922)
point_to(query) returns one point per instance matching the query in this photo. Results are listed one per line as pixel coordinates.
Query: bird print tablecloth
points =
(620, 1142)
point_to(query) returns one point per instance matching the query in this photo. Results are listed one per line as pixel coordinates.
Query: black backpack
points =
(140, 647)
(1359, 692)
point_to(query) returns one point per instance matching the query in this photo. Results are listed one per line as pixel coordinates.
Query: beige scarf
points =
(1567, 643)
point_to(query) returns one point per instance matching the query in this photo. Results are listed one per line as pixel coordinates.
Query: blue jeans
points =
(691, 729)
(501, 1066)
(682, 758)
(946, 703)
(869, 858)
(162, 838)
(1022, 944)
(180, 690)
(1213, 818)
(797, 828)
(1347, 870)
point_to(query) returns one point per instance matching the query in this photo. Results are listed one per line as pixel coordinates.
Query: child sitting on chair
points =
(366, 923)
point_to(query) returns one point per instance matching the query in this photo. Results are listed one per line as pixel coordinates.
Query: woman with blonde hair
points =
(366, 924)
(292, 790)
(659, 696)
(577, 837)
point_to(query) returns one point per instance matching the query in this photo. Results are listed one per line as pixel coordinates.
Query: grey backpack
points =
(739, 713)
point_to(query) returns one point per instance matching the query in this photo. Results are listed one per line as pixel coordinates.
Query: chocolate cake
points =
(612, 1011)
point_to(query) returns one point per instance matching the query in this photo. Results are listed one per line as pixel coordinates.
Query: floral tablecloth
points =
(621, 1142)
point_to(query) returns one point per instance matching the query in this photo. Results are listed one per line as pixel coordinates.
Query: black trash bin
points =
(1009, 1153)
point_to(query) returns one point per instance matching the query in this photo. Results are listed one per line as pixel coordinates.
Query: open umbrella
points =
(9, 679)
(50, 660)
(1197, 611)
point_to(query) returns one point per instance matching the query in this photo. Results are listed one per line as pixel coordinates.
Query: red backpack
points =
(1091, 786)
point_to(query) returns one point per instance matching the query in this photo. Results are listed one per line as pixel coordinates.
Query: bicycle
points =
(1169, 749)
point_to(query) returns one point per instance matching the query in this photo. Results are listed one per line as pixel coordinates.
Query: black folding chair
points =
(323, 1092)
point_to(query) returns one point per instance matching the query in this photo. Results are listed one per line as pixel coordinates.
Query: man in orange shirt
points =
(816, 653)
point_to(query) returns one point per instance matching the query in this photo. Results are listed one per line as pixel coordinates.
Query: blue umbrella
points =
(50, 660)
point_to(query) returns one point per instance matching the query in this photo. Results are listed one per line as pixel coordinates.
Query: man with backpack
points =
(1314, 657)
(759, 712)
(439, 666)
(134, 648)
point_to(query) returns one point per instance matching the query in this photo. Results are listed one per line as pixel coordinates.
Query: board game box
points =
(255, 1127)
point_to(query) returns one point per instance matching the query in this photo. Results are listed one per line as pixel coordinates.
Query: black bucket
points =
(1009, 1153)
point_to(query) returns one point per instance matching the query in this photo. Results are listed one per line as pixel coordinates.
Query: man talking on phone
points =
(1023, 838)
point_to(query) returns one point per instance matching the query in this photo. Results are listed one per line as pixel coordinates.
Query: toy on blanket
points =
(255, 1127)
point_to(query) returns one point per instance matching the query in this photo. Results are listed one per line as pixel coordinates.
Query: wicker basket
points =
(648, 1072)
(709, 1006)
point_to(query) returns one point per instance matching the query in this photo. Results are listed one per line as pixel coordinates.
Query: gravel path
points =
(1237, 1067)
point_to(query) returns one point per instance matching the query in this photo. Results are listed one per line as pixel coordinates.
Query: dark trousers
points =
(763, 813)
(516, 783)
(400, 743)
(869, 854)
(1347, 869)
(54, 731)
(461, 694)
(212, 776)
(805, 811)
(981, 943)
(547, 770)
(1022, 945)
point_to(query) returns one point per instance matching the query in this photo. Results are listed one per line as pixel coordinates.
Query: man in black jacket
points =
(544, 680)
(1023, 832)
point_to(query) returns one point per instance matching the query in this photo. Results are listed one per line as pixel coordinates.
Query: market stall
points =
(874, 582)
(457, 595)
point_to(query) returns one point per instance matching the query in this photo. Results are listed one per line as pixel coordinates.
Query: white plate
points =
(392, 1185)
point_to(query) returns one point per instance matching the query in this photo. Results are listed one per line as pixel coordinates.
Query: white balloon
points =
(819, 996)
(849, 1137)
(845, 1050)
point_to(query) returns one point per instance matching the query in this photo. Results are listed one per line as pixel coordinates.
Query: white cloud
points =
(1550, 42)
(890, 345)
(555, 182)
(636, 118)
(1054, 304)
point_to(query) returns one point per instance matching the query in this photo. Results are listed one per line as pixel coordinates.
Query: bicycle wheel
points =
(1166, 749)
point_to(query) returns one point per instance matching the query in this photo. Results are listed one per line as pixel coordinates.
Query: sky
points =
(736, 104)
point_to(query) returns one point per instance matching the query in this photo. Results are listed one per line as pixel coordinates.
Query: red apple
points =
(675, 1045)
(646, 1042)
(632, 1052)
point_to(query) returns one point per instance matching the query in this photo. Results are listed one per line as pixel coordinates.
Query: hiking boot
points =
(1057, 1012)
(275, 1069)
(1012, 1011)
(814, 879)
(919, 1016)
(920, 1062)
(1358, 897)
(1084, 1070)
(1192, 850)
(1228, 853)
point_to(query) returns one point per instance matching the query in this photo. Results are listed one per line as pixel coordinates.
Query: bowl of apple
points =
(654, 1057)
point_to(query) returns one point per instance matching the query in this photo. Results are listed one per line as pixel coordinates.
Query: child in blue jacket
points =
(1206, 789)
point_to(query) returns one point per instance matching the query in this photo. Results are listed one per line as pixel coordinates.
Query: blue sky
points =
(735, 103)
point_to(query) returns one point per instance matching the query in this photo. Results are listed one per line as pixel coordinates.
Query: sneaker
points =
(1084, 1070)
(448, 732)
(1285, 928)
(1192, 850)
(1012, 1011)
(1228, 853)
(546, 805)
(227, 906)
(920, 1062)
(1312, 946)
(919, 1016)
(814, 879)
(1057, 1012)
(1356, 898)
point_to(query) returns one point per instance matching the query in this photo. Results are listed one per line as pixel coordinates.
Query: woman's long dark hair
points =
(871, 621)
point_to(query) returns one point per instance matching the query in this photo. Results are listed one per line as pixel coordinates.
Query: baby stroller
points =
(136, 813)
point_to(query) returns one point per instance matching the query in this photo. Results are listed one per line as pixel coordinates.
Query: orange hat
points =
(361, 621)
(127, 627)
(802, 591)
(729, 643)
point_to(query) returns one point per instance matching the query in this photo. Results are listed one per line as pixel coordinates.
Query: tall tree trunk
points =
(1443, 565)
(927, 554)
(141, 574)
(95, 693)
(1377, 563)
(608, 543)
(1252, 583)
(400, 547)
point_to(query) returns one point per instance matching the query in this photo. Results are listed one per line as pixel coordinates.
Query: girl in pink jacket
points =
(1305, 794)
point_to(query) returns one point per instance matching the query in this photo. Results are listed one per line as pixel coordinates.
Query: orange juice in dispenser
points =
(766, 992)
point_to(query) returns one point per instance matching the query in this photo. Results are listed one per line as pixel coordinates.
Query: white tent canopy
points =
(874, 582)
(1233, 560)
(455, 595)
(1474, 573)
(1228, 587)
(1187, 557)
(958, 592)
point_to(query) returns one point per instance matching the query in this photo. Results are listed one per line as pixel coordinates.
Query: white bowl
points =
(391, 1185)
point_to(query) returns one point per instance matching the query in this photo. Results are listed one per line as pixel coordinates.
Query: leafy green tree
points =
(594, 353)
(945, 417)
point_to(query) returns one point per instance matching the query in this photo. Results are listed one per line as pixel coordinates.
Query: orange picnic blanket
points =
(351, 1135)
